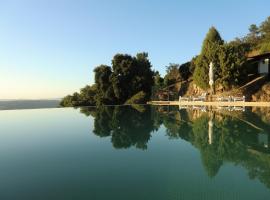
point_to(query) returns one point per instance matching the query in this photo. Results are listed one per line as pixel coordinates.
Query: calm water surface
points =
(139, 152)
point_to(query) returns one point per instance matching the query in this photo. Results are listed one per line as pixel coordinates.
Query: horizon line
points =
(31, 99)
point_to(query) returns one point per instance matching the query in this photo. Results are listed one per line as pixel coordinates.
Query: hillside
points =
(257, 89)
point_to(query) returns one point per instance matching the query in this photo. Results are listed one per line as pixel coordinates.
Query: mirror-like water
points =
(138, 152)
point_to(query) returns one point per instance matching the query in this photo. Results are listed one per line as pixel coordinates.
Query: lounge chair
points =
(184, 98)
(239, 98)
(229, 98)
(200, 98)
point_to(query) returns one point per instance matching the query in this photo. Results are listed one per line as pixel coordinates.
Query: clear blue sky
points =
(48, 48)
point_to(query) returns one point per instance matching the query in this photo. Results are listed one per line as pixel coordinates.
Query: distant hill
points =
(28, 104)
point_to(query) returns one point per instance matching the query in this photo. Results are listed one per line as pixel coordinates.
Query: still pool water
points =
(139, 152)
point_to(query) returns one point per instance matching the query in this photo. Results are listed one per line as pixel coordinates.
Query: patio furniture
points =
(239, 99)
(229, 98)
(200, 98)
(184, 98)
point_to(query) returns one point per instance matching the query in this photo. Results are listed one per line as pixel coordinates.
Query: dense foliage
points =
(258, 38)
(172, 74)
(176, 73)
(158, 80)
(86, 97)
(229, 59)
(138, 98)
(127, 77)
(209, 53)
(232, 70)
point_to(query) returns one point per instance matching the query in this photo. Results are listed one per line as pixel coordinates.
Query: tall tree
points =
(209, 53)
(265, 35)
(105, 94)
(265, 29)
(185, 71)
(145, 74)
(131, 75)
(124, 68)
(158, 80)
(172, 74)
(252, 39)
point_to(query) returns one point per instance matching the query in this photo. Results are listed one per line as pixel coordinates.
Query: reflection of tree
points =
(126, 125)
(233, 140)
(177, 124)
(102, 123)
(258, 165)
(211, 160)
(89, 111)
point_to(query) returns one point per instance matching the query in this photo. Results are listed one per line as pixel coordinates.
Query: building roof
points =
(259, 57)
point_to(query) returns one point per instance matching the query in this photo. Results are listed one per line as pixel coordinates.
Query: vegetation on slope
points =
(128, 76)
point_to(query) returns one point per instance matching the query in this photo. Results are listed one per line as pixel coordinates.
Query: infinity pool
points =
(138, 152)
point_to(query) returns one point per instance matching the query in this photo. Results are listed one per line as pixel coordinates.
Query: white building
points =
(262, 61)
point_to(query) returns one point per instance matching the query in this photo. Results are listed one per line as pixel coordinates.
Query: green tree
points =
(265, 36)
(158, 80)
(87, 95)
(115, 85)
(232, 69)
(209, 53)
(105, 94)
(138, 98)
(71, 100)
(192, 65)
(265, 30)
(131, 75)
(172, 74)
(185, 71)
(124, 67)
(66, 101)
(145, 74)
(253, 37)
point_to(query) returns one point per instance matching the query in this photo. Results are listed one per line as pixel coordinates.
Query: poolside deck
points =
(207, 103)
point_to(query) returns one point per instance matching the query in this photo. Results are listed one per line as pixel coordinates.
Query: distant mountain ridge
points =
(46, 99)
(28, 104)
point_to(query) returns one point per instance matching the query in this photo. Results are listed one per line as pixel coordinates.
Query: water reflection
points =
(127, 126)
(221, 135)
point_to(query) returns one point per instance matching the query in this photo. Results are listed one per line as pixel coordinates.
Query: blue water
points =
(138, 152)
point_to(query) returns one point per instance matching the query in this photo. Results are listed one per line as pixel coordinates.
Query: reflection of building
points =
(263, 139)
(210, 131)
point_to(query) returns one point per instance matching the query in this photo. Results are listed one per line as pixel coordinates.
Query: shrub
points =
(138, 98)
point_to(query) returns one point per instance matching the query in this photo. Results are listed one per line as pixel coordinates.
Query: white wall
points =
(263, 66)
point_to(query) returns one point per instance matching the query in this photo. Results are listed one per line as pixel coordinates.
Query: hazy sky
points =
(48, 48)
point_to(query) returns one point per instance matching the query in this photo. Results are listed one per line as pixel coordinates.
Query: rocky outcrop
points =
(263, 94)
